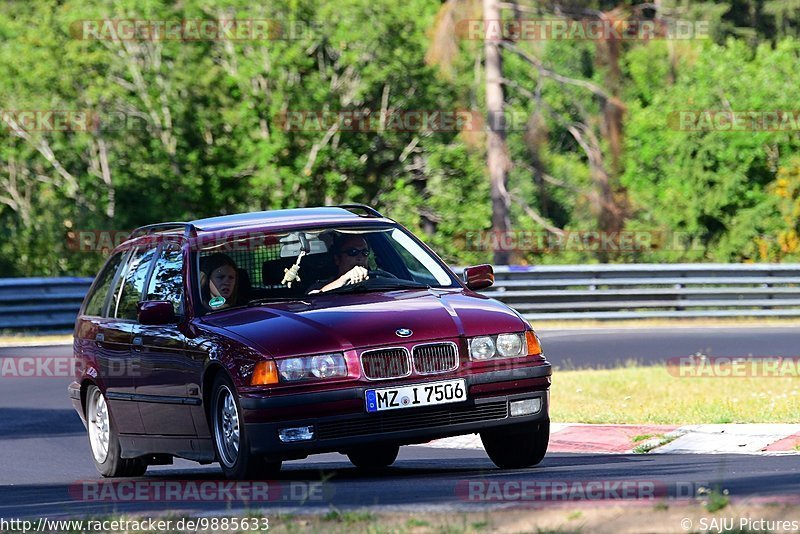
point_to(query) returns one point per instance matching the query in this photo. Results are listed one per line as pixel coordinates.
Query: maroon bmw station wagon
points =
(256, 338)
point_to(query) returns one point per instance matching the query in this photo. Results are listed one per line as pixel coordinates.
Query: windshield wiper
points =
(268, 300)
(384, 286)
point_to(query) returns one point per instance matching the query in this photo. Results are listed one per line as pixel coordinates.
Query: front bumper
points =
(487, 406)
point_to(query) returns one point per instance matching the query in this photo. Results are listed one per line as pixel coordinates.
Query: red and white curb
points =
(767, 439)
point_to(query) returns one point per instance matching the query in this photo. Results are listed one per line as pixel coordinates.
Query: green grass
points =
(714, 499)
(651, 395)
(663, 439)
(348, 517)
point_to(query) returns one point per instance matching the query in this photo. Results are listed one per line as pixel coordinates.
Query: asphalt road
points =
(60, 481)
(46, 468)
(601, 347)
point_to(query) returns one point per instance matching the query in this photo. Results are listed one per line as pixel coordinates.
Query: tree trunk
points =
(496, 150)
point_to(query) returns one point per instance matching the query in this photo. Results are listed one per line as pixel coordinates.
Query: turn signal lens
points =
(264, 374)
(534, 348)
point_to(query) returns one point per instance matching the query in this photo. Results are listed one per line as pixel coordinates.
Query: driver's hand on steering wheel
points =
(354, 276)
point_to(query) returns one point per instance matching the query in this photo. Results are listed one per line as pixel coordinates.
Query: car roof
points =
(346, 214)
(286, 217)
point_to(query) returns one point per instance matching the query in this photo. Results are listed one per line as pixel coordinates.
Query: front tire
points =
(230, 436)
(104, 440)
(374, 456)
(517, 447)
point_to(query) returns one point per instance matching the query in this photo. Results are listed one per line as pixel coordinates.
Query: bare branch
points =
(384, 106)
(163, 123)
(533, 214)
(18, 201)
(555, 181)
(312, 155)
(522, 9)
(544, 71)
(43, 148)
(106, 176)
(409, 148)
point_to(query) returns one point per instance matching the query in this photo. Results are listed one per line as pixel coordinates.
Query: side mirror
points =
(156, 312)
(479, 277)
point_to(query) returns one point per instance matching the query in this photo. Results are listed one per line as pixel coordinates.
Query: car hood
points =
(343, 322)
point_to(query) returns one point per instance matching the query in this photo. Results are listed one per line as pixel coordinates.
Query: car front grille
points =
(435, 358)
(386, 363)
(414, 419)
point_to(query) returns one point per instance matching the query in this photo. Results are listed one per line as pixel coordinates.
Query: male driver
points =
(351, 257)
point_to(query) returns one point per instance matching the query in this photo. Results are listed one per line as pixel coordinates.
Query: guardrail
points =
(568, 292)
(641, 291)
(41, 303)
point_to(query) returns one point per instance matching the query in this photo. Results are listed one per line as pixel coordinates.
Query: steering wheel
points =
(380, 273)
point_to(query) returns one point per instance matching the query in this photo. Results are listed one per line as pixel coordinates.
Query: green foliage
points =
(190, 129)
(714, 499)
(713, 185)
(205, 131)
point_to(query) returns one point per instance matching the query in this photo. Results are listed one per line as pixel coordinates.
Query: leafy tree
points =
(710, 183)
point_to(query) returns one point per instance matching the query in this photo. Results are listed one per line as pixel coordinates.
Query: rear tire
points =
(517, 447)
(104, 440)
(230, 436)
(374, 456)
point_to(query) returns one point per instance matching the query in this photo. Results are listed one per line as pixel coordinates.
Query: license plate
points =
(426, 394)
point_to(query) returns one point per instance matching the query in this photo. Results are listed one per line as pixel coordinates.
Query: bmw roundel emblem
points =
(403, 332)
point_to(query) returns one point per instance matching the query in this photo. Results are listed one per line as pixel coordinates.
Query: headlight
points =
(500, 346)
(510, 345)
(481, 348)
(310, 367)
(292, 369)
(328, 365)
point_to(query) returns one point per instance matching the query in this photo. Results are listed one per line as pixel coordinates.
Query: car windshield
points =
(249, 268)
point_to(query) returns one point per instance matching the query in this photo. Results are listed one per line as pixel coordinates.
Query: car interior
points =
(261, 268)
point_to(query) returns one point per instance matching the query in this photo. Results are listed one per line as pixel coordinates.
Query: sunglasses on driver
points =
(353, 252)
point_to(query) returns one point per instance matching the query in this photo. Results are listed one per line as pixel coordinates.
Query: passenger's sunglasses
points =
(353, 252)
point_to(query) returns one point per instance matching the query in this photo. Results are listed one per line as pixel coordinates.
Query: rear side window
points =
(133, 281)
(166, 283)
(97, 298)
